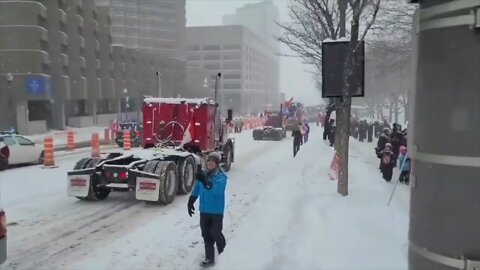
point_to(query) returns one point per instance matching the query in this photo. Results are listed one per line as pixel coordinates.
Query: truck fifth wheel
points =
(178, 135)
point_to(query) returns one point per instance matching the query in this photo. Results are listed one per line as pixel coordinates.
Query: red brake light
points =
(3, 225)
(124, 175)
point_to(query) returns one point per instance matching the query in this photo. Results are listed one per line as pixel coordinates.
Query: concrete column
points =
(445, 192)
(58, 115)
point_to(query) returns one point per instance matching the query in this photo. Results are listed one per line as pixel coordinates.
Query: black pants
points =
(296, 148)
(405, 177)
(212, 226)
(331, 137)
(387, 173)
(326, 131)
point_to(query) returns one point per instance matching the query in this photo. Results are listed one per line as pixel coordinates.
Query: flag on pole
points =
(189, 134)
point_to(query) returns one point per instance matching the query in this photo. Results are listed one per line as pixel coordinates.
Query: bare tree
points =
(312, 21)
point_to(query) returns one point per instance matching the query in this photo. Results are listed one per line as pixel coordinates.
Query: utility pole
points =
(445, 148)
(11, 108)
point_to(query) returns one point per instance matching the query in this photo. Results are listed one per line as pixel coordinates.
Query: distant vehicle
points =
(3, 236)
(136, 130)
(21, 149)
(274, 128)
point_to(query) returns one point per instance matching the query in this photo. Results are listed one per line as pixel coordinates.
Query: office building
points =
(64, 63)
(247, 62)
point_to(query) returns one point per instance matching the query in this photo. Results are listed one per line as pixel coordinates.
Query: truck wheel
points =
(186, 175)
(81, 164)
(94, 193)
(228, 158)
(167, 172)
(150, 166)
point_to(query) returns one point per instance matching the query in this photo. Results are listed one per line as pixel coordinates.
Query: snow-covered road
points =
(282, 213)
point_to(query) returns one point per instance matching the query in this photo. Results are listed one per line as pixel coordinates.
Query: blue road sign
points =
(37, 85)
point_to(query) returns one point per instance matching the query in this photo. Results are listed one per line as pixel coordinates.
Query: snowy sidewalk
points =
(300, 221)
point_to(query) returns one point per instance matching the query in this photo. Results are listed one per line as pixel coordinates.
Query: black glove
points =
(202, 177)
(190, 205)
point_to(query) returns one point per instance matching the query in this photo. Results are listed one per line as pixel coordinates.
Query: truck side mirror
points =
(230, 115)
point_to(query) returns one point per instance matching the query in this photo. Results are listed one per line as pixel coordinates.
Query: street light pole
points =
(125, 93)
(159, 83)
(10, 99)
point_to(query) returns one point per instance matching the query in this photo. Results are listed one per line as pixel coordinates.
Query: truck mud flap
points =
(79, 182)
(147, 186)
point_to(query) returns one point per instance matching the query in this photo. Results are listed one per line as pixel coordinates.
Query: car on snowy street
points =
(21, 150)
(3, 237)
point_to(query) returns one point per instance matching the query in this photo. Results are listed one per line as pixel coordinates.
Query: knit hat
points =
(214, 157)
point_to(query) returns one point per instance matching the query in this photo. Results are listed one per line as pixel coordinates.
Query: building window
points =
(232, 86)
(212, 66)
(232, 56)
(232, 47)
(211, 47)
(194, 48)
(232, 65)
(211, 56)
(232, 76)
(193, 57)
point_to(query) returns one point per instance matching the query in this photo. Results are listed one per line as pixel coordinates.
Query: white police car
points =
(21, 149)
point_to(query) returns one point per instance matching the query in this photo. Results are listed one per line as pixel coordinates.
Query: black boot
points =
(207, 263)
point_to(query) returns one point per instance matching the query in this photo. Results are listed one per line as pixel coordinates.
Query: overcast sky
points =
(294, 79)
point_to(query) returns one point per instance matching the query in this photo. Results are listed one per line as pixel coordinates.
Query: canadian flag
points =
(189, 134)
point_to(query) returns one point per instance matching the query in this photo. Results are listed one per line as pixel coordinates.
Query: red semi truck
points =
(178, 135)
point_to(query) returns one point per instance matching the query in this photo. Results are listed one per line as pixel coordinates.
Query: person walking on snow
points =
(404, 163)
(297, 139)
(387, 162)
(306, 131)
(210, 187)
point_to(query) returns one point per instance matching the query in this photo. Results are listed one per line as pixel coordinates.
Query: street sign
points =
(334, 55)
(37, 85)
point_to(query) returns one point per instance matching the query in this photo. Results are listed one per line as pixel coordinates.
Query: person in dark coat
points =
(382, 141)
(396, 139)
(370, 132)
(363, 131)
(297, 140)
(210, 187)
(355, 129)
(331, 135)
(377, 129)
(327, 127)
(387, 162)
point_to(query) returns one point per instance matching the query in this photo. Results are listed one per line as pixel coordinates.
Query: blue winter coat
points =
(407, 166)
(212, 201)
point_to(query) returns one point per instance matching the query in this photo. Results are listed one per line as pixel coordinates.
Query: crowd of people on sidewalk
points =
(392, 151)
(391, 145)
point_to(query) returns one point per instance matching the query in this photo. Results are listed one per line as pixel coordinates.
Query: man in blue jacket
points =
(210, 187)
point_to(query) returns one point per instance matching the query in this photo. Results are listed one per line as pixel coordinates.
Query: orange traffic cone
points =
(70, 141)
(127, 143)
(107, 136)
(95, 145)
(48, 153)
